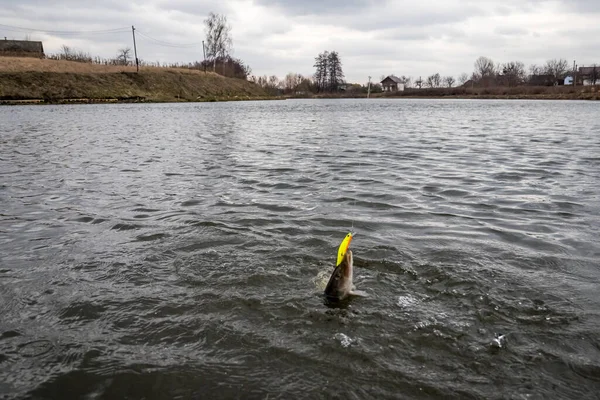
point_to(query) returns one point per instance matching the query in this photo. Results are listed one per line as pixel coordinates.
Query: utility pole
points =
(204, 53)
(369, 88)
(574, 74)
(137, 63)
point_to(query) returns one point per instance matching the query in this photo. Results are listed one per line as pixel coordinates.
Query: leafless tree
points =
(513, 72)
(218, 37)
(419, 83)
(434, 81)
(535, 69)
(484, 67)
(406, 81)
(66, 52)
(123, 56)
(463, 78)
(449, 81)
(273, 81)
(557, 68)
(292, 82)
(594, 74)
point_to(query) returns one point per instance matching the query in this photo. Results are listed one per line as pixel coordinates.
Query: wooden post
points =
(137, 64)
(204, 53)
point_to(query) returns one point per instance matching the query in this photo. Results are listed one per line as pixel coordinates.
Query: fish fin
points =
(359, 293)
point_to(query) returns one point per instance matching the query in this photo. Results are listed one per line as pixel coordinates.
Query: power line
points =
(94, 32)
(168, 44)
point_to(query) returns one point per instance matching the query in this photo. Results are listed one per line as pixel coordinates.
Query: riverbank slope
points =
(41, 80)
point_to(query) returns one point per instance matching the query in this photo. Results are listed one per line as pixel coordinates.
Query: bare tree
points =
(419, 83)
(406, 81)
(66, 52)
(322, 68)
(535, 69)
(218, 37)
(484, 67)
(513, 72)
(463, 78)
(123, 56)
(273, 81)
(289, 82)
(292, 82)
(594, 74)
(449, 81)
(434, 81)
(557, 68)
(335, 72)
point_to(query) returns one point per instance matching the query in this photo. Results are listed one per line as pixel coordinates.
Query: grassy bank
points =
(499, 92)
(36, 80)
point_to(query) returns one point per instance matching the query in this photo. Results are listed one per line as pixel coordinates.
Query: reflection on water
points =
(176, 250)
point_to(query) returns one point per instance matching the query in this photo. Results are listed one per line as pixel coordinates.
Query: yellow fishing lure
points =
(343, 248)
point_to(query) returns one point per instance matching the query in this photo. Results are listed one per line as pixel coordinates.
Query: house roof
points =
(588, 70)
(393, 78)
(21, 45)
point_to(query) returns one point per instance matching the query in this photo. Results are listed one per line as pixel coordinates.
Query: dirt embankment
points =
(38, 80)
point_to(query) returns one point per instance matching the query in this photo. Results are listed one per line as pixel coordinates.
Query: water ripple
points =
(174, 250)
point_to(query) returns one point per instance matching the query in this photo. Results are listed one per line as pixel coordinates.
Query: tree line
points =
(327, 78)
(512, 73)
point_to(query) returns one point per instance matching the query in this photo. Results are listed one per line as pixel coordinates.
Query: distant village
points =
(486, 73)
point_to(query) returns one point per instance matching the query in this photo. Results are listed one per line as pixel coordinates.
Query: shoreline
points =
(42, 102)
(27, 81)
(116, 100)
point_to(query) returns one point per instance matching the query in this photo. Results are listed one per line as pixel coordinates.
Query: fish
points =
(340, 285)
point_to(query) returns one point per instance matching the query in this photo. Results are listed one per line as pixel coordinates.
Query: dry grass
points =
(28, 64)
(57, 81)
(502, 92)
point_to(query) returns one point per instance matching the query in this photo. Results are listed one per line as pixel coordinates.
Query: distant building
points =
(392, 84)
(588, 75)
(568, 80)
(21, 48)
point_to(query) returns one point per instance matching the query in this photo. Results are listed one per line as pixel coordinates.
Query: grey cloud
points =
(193, 7)
(592, 6)
(511, 31)
(321, 7)
(411, 38)
(389, 16)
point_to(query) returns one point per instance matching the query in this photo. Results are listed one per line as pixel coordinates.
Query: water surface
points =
(178, 250)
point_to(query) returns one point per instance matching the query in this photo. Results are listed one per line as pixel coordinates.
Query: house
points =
(21, 48)
(588, 75)
(392, 84)
(568, 80)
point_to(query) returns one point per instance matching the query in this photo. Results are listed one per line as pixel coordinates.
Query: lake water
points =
(180, 250)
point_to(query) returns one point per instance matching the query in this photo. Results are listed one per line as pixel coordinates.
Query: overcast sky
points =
(373, 37)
